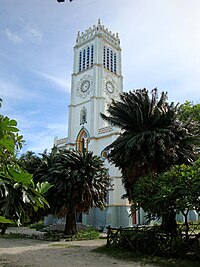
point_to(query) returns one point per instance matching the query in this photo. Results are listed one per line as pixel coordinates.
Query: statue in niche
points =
(83, 116)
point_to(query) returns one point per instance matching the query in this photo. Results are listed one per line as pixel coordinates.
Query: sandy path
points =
(37, 253)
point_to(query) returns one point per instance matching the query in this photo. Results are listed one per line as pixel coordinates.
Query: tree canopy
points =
(189, 111)
(79, 182)
(152, 137)
(17, 190)
(177, 190)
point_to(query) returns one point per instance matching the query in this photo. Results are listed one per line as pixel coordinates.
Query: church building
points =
(95, 81)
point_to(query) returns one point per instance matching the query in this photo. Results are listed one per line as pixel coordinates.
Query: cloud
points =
(13, 91)
(63, 84)
(32, 33)
(27, 32)
(12, 36)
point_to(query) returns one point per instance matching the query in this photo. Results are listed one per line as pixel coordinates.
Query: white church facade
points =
(96, 80)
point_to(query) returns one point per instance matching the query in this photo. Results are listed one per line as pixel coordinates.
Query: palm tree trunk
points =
(70, 223)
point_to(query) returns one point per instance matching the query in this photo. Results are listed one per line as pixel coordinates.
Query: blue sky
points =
(160, 42)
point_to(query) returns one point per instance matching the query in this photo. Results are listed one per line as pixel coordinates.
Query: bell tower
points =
(95, 81)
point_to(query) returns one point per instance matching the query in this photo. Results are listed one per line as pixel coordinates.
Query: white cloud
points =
(27, 32)
(32, 33)
(12, 36)
(13, 91)
(63, 84)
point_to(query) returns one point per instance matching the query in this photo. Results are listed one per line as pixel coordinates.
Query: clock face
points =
(110, 87)
(85, 86)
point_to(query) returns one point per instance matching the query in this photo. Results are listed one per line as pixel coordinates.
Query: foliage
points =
(189, 111)
(151, 240)
(18, 193)
(152, 138)
(37, 226)
(177, 190)
(80, 181)
(87, 234)
(30, 162)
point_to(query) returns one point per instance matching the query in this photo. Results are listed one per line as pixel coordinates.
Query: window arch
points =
(82, 140)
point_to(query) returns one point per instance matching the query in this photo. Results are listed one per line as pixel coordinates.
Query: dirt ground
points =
(38, 253)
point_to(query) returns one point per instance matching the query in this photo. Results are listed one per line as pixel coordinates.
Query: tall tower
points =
(96, 80)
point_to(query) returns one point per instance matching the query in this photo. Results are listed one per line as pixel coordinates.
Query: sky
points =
(160, 41)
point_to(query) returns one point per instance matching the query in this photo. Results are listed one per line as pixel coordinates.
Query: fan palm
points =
(151, 139)
(80, 181)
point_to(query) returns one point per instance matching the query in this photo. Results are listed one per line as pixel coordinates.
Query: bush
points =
(88, 233)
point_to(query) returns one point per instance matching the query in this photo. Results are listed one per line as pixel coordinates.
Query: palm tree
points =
(30, 161)
(152, 138)
(80, 181)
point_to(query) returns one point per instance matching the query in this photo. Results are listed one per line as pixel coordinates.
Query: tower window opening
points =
(115, 63)
(111, 60)
(104, 56)
(92, 54)
(84, 59)
(88, 57)
(80, 60)
(108, 58)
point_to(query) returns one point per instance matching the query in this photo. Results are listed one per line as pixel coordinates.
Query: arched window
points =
(83, 116)
(82, 140)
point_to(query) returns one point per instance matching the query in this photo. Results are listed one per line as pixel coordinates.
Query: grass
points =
(123, 254)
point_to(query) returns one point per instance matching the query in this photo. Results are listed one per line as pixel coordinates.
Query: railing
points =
(153, 241)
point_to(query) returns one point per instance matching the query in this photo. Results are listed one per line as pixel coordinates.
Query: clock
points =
(110, 87)
(85, 86)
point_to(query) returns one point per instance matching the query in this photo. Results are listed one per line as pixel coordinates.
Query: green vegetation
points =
(189, 111)
(19, 197)
(79, 182)
(153, 140)
(88, 234)
(177, 190)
